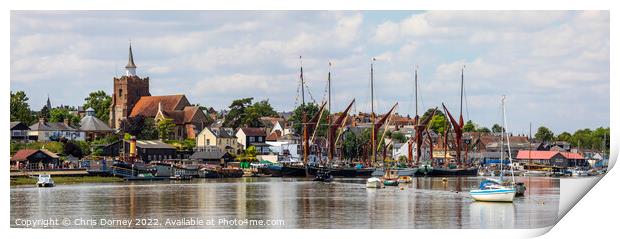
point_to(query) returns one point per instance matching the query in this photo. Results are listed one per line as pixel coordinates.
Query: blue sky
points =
(553, 66)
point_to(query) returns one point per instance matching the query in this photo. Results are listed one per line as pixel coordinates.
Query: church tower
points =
(127, 91)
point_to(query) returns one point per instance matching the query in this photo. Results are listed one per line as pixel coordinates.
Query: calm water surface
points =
(287, 203)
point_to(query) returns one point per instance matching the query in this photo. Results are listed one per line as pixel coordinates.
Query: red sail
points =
(380, 123)
(458, 133)
(419, 133)
(334, 127)
(311, 125)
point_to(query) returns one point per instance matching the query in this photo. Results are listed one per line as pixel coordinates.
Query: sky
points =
(552, 66)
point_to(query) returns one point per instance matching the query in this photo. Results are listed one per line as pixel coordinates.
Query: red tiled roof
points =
(274, 136)
(546, 155)
(526, 154)
(189, 112)
(570, 155)
(253, 131)
(147, 106)
(23, 154)
(177, 116)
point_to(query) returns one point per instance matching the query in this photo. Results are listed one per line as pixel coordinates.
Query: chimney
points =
(66, 121)
(42, 120)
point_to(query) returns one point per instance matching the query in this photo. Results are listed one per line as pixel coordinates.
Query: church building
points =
(131, 97)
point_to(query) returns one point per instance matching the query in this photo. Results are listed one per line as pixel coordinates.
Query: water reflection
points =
(300, 203)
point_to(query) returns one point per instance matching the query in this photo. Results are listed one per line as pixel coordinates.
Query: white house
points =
(46, 131)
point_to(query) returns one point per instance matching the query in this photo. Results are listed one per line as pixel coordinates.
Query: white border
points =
(594, 216)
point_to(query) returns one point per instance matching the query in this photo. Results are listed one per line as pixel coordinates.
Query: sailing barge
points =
(460, 169)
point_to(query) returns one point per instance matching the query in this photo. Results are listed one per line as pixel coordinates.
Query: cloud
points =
(546, 62)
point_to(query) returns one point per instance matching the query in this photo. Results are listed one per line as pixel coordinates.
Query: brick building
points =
(131, 97)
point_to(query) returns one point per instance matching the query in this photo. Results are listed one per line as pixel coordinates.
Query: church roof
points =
(189, 112)
(147, 106)
(177, 116)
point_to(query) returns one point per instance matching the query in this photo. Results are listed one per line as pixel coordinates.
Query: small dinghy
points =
(520, 187)
(390, 178)
(45, 180)
(323, 176)
(374, 182)
(405, 179)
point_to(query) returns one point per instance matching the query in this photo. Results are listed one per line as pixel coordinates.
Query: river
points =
(266, 202)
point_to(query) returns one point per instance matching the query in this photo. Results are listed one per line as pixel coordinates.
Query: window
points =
(260, 139)
(252, 139)
(120, 92)
(208, 142)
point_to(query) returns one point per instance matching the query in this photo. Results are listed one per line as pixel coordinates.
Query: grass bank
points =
(66, 180)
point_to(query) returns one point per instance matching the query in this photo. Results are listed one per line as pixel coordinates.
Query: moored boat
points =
(374, 182)
(401, 171)
(491, 190)
(181, 177)
(405, 179)
(45, 180)
(323, 175)
(428, 171)
(390, 178)
(520, 188)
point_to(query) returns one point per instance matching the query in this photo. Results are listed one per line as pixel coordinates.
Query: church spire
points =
(130, 67)
(48, 103)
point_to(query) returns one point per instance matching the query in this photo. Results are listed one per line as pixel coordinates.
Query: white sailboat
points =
(492, 190)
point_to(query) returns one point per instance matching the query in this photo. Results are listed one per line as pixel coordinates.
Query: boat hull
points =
(390, 182)
(520, 188)
(493, 195)
(447, 172)
(299, 171)
(401, 172)
(294, 171)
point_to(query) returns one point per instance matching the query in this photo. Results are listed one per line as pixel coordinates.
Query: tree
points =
(132, 125)
(355, 145)
(71, 148)
(438, 123)
(236, 115)
(544, 134)
(165, 127)
(208, 111)
(20, 110)
(469, 126)
(100, 102)
(61, 113)
(263, 108)
(244, 113)
(44, 113)
(149, 131)
(429, 111)
(483, 130)
(311, 110)
(186, 144)
(564, 136)
(496, 128)
(249, 155)
(141, 127)
(398, 136)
